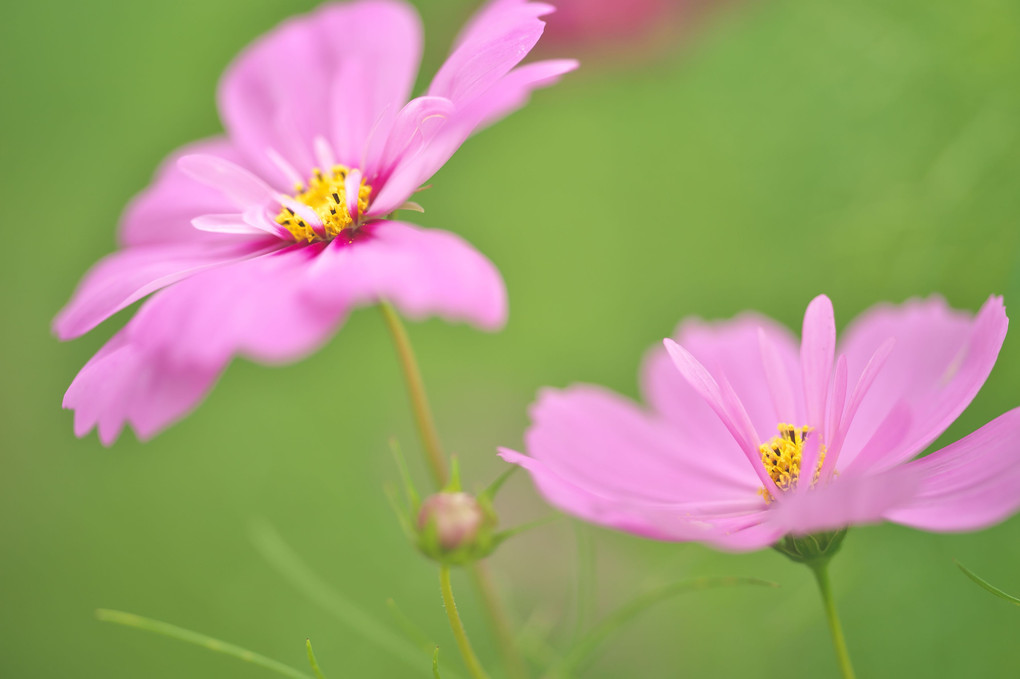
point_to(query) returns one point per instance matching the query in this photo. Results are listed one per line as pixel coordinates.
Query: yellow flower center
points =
(781, 457)
(327, 196)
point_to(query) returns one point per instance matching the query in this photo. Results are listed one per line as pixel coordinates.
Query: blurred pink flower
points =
(596, 20)
(263, 240)
(737, 412)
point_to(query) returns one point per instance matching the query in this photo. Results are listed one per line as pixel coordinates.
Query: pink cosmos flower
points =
(261, 242)
(738, 413)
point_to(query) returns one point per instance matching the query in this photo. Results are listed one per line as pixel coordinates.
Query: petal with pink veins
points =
(494, 41)
(846, 500)
(333, 71)
(125, 277)
(162, 213)
(423, 272)
(122, 385)
(940, 360)
(968, 485)
(256, 307)
(817, 351)
(410, 170)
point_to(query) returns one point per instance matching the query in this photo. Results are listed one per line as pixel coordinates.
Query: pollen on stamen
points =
(326, 196)
(782, 456)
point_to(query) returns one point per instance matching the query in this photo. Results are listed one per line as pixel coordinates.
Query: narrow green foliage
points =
(403, 514)
(453, 486)
(412, 631)
(312, 661)
(586, 582)
(490, 492)
(435, 664)
(405, 475)
(198, 639)
(504, 535)
(987, 586)
(592, 641)
(279, 555)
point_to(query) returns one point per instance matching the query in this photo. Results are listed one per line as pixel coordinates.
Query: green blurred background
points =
(868, 150)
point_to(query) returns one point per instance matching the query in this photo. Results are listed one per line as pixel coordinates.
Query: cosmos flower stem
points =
(821, 570)
(470, 659)
(416, 392)
(437, 466)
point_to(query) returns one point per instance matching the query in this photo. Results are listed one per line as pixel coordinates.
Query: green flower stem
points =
(494, 610)
(437, 466)
(198, 639)
(416, 392)
(821, 570)
(470, 659)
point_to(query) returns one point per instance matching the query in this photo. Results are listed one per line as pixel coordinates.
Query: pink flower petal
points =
(817, 351)
(423, 272)
(847, 500)
(333, 71)
(719, 395)
(121, 385)
(255, 307)
(564, 495)
(244, 189)
(495, 41)
(608, 445)
(841, 424)
(126, 276)
(412, 129)
(777, 377)
(162, 213)
(511, 92)
(968, 485)
(939, 362)
(733, 348)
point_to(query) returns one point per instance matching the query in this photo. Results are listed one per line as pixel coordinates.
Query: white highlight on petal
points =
(293, 176)
(235, 182)
(324, 153)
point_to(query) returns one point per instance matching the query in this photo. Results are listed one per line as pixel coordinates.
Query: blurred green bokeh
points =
(868, 150)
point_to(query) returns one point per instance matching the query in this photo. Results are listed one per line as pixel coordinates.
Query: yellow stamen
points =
(326, 195)
(781, 457)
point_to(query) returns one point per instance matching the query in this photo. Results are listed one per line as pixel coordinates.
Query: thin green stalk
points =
(416, 392)
(586, 647)
(437, 466)
(821, 570)
(280, 556)
(515, 666)
(586, 586)
(198, 639)
(312, 661)
(470, 659)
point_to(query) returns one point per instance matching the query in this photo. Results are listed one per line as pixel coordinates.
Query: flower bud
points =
(457, 517)
(456, 528)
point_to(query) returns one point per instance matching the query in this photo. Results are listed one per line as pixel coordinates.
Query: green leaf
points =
(402, 517)
(312, 661)
(412, 631)
(405, 475)
(504, 535)
(590, 643)
(279, 555)
(984, 584)
(490, 492)
(198, 639)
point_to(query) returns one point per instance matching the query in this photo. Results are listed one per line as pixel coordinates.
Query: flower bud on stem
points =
(433, 454)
